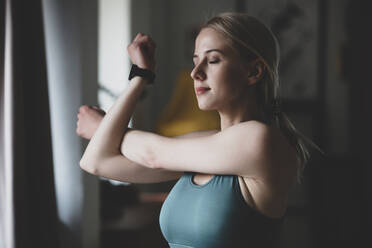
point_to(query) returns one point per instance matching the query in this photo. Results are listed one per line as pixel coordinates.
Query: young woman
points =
(233, 183)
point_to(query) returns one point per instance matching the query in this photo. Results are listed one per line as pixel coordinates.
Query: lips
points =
(201, 90)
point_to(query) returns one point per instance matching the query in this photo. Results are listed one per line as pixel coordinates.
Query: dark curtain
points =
(4, 207)
(34, 200)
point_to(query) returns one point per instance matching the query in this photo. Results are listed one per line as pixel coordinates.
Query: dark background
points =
(332, 207)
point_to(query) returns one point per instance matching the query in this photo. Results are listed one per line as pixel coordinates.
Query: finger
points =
(145, 39)
(82, 108)
(152, 47)
(99, 110)
(138, 36)
(151, 44)
(142, 39)
(145, 42)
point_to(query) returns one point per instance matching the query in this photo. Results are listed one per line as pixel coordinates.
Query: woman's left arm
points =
(106, 141)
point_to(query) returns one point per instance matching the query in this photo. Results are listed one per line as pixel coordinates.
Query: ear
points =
(255, 72)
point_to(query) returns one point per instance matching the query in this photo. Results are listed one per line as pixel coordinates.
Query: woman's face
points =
(219, 75)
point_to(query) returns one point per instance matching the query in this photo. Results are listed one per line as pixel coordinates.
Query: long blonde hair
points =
(253, 39)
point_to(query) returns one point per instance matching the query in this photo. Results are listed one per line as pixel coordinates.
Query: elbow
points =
(88, 167)
(142, 152)
(150, 158)
(152, 164)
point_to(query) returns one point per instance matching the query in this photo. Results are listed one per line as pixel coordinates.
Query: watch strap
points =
(145, 73)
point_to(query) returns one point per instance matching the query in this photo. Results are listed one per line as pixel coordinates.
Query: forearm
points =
(107, 139)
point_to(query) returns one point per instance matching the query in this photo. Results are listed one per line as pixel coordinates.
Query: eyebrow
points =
(208, 51)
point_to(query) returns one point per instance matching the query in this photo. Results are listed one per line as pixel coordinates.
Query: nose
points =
(198, 73)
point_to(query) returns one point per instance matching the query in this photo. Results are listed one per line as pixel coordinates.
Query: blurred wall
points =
(324, 80)
(337, 88)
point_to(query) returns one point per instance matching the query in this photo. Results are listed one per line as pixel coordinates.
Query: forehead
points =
(209, 39)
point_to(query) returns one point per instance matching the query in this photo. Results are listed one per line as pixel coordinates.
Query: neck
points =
(236, 113)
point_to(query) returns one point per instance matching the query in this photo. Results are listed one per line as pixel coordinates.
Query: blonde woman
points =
(233, 183)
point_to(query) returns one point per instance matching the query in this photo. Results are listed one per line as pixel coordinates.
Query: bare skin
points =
(89, 119)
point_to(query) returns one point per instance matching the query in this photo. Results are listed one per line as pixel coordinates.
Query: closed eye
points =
(214, 61)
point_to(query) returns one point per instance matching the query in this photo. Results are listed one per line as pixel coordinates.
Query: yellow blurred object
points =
(182, 114)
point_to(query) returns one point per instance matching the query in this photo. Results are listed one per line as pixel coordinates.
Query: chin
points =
(205, 107)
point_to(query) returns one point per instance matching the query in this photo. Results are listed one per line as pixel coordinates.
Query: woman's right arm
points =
(119, 167)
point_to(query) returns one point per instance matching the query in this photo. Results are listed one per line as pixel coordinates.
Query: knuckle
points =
(83, 108)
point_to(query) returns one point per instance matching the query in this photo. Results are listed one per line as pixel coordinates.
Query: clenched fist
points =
(142, 52)
(89, 119)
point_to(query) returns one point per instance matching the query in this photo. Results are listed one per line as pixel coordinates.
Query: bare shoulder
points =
(271, 146)
(257, 137)
(283, 156)
(269, 135)
(267, 191)
(250, 127)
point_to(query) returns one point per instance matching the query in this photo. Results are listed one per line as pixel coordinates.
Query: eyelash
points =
(214, 61)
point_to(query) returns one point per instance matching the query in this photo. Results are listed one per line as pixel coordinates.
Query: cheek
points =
(232, 81)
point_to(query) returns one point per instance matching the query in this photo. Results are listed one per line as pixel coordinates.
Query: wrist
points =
(139, 83)
(146, 74)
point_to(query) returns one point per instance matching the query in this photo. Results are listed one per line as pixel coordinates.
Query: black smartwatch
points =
(147, 74)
